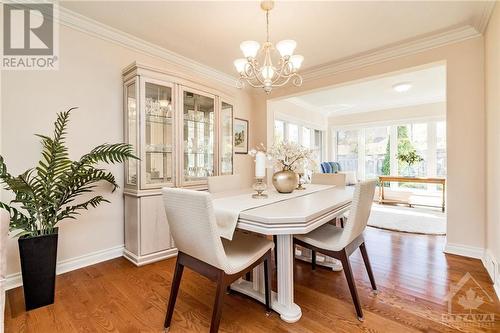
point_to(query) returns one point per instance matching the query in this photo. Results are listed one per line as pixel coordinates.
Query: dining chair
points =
(224, 183)
(337, 179)
(340, 243)
(193, 227)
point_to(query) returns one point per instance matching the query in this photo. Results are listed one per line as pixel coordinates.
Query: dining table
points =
(283, 217)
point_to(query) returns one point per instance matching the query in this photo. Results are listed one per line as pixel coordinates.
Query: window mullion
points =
(393, 151)
(361, 154)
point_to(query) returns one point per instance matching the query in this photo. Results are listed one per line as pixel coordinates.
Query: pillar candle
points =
(260, 164)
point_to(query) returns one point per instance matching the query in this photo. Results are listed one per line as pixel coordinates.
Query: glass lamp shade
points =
(286, 47)
(296, 61)
(240, 64)
(249, 48)
(267, 73)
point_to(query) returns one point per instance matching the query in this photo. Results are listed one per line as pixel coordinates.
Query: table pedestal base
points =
(288, 314)
(282, 301)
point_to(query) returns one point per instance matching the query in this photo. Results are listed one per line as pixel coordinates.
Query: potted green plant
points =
(409, 157)
(48, 194)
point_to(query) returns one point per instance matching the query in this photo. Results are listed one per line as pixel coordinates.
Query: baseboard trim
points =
(465, 251)
(492, 267)
(15, 280)
(149, 258)
(496, 287)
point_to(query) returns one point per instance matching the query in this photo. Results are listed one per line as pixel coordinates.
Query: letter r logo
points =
(28, 29)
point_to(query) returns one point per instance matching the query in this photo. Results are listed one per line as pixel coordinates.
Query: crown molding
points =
(388, 53)
(94, 28)
(482, 22)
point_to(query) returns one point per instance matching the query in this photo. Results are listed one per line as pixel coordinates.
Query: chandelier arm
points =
(279, 75)
(254, 75)
(255, 85)
(250, 71)
(287, 78)
(297, 81)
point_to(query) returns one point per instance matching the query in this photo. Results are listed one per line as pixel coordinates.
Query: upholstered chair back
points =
(224, 183)
(360, 211)
(193, 226)
(337, 179)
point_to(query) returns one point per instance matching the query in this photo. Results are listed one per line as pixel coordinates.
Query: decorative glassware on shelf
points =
(131, 166)
(226, 139)
(199, 136)
(158, 134)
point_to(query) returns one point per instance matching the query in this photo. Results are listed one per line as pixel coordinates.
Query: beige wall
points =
(492, 57)
(415, 112)
(283, 109)
(89, 77)
(465, 131)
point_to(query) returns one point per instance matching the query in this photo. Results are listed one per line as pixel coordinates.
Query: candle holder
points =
(301, 182)
(259, 186)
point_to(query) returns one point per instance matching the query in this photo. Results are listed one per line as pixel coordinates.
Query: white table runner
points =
(229, 205)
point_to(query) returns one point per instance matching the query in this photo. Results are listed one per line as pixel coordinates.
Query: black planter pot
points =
(38, 266)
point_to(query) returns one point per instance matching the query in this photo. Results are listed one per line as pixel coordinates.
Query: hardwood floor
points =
(412, 274)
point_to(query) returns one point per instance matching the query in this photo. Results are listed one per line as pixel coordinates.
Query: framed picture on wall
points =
(240, 136)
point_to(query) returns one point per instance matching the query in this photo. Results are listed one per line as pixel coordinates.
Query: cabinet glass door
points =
(131, 165)
(226, 139)
(198, 135)
(158, 133)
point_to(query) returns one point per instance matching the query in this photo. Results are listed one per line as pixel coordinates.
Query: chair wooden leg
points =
(173, 292)
(342, 222)
(344, 257)
(219, 300)
(368, 266)
(313, 260)
(267, 281)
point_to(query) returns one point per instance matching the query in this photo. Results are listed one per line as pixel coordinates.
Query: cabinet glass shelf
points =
(158, 133)
(199, 131)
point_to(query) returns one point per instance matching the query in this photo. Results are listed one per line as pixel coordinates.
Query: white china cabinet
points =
(183, 133)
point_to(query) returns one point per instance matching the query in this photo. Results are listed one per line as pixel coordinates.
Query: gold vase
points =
(285, 181)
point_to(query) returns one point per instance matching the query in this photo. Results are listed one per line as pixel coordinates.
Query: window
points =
(306, 137)
(347, 150)
(293, 133)
(376, 149)
(279, 131)
(303, 135)
(373, 151)
(318, 146)
(441, 149)
(413, 137)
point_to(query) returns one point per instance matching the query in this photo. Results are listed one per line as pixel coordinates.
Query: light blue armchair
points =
(330, 167)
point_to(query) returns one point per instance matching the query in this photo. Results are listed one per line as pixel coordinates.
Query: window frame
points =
(300, 127)
(432, 141)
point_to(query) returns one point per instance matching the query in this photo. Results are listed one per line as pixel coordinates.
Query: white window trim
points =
(300, 125)
(431, 154)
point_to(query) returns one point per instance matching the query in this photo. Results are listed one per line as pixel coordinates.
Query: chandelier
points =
(257, 68)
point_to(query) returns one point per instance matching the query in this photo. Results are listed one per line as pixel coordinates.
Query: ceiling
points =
(210, 31)
(428, 86)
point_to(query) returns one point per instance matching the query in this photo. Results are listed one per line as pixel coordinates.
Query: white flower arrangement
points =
(291, 156)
